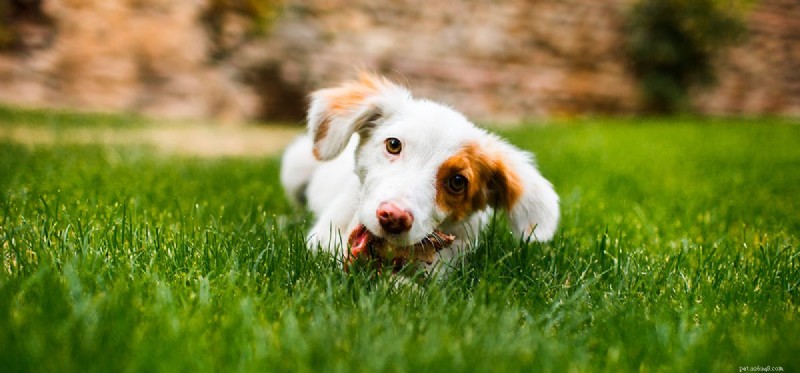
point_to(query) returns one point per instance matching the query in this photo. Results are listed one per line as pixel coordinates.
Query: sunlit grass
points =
(60, 119)
(677, 251)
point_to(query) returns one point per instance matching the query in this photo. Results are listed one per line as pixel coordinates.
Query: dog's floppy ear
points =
(336, 113)
(517, 187)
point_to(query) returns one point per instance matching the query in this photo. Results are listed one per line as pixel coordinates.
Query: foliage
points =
(672, 46)
(677, 251)
(257, 16)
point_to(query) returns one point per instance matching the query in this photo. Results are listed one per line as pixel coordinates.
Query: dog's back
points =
(297, 167)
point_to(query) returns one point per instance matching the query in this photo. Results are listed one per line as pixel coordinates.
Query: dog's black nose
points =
(393, 218)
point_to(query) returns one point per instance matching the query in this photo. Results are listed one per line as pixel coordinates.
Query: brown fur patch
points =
(320, 134)
(351, 94)
(344, 99)
(490, 182)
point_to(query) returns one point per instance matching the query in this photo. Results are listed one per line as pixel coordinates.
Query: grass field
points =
(678, 251)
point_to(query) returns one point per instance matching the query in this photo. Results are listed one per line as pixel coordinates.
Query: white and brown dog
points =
(408, 180)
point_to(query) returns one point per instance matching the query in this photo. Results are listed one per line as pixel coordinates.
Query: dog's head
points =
(422, 164)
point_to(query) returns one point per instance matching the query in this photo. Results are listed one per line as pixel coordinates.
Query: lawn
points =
(678, 251)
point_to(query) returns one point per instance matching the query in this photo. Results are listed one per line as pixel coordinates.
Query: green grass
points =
(60, 119)
(678, 251)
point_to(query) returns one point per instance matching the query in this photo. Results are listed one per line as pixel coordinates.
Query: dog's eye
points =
(457, 183)
(393, 145)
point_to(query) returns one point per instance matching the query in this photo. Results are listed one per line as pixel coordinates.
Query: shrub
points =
(257, 15)
(672, 46)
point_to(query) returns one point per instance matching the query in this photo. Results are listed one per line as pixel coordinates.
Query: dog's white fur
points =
(343, 171)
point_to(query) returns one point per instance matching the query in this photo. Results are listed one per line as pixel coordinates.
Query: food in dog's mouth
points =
(364, 244)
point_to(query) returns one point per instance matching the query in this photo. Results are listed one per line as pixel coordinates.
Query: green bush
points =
(259, 15)
(672, 46)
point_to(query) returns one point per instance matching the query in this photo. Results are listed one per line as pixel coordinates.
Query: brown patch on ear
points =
(320, 134)
(351, 94)
(490, 181)
(505, 187)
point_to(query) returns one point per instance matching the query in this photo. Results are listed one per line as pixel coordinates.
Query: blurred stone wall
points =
(761, 76)
(495, 60)
(148, 56)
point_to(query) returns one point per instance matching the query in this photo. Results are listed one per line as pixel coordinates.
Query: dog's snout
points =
(393, 218)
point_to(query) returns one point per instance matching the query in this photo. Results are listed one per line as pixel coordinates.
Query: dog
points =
(408, 181)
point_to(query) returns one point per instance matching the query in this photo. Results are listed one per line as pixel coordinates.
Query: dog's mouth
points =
(364, 244)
